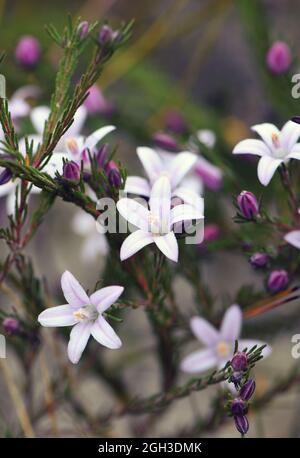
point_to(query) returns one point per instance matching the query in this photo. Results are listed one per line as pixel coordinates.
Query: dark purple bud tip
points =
(241, 424)
(102, 155)
(247, 390)
(236, 377)
(165, 141)
(83, 29)
(71, 171)
(259, 260)
(248, 204)
(296, 119)
(106, 35)
(5, 176)
(239, 361)
(11, 325)
(113, 174)
(176, 123)
(238, 407)
(278, 280)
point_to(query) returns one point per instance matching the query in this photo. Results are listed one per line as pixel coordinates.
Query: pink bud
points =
(28, 51)
(279, 57)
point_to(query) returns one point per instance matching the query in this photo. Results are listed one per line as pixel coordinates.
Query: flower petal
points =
(231, 324)
(249, 343)
(199, 361)
(61, 315)
(73, 291)
(38, 117)
(290, 134)
(160, 203)
(168, 245)
(137, 185)
(185, 212)
(151, 162)
(77, 125)
(79, 337)
(95, 137)
(180, 166)
(134, 212)
(266, 169)
(295, 152)
(105, 297)
(293, 238)
(134, 243)
(55, 164)
(190, 197)
(252, 146)
(104, 334)
(266, 131)
(204, 331)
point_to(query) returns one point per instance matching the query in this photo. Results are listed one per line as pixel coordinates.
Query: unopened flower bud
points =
(71, 171)
(279, 57)
(5, 176)
(106, 35)
(165, 141)
(247, 390)
(28, 51)
(113, 174)
(102, 155)
(211, 175)
(248, 204)
(236, 377)
(239, 361)
(211, 233)
(278, 280)
(241, 424)
(83, 29)
(11, 325)
(258, 260)
(238, 407)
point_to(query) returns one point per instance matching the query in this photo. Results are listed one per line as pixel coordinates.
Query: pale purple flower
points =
(279, 57)
(165, 141)
(174, 166)
(94, 244)
(293, 238)
(79, 147)
(211, 175)
(276, 148)
(96, 103)
(155, 225)
(207, 137)
(85, 314)
(219, 344)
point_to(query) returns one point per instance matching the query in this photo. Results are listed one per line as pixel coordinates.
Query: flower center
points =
(72, 145)
(166, 174)
(278, 151)
(223, 349)
(86, 313)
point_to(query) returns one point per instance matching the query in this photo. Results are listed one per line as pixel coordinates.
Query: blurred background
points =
(202, 60)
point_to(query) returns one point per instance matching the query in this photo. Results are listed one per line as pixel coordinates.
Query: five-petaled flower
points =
(219, 344)
(276, 147)
(155, 225)
(85, 314)
(174, 166)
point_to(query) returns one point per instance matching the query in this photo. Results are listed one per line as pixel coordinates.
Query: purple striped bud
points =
(83, 29)
(28, 52)
(241, 424)
(278, 280)
(239, 361)
(279, 57)
(71, 171)
(248, 204)
(5, 176)
(11, 325)
(258, 260)
(247, 390)
(102, 155)
(106, 35)
(165, 141)
(113, 174)
(238, 407)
